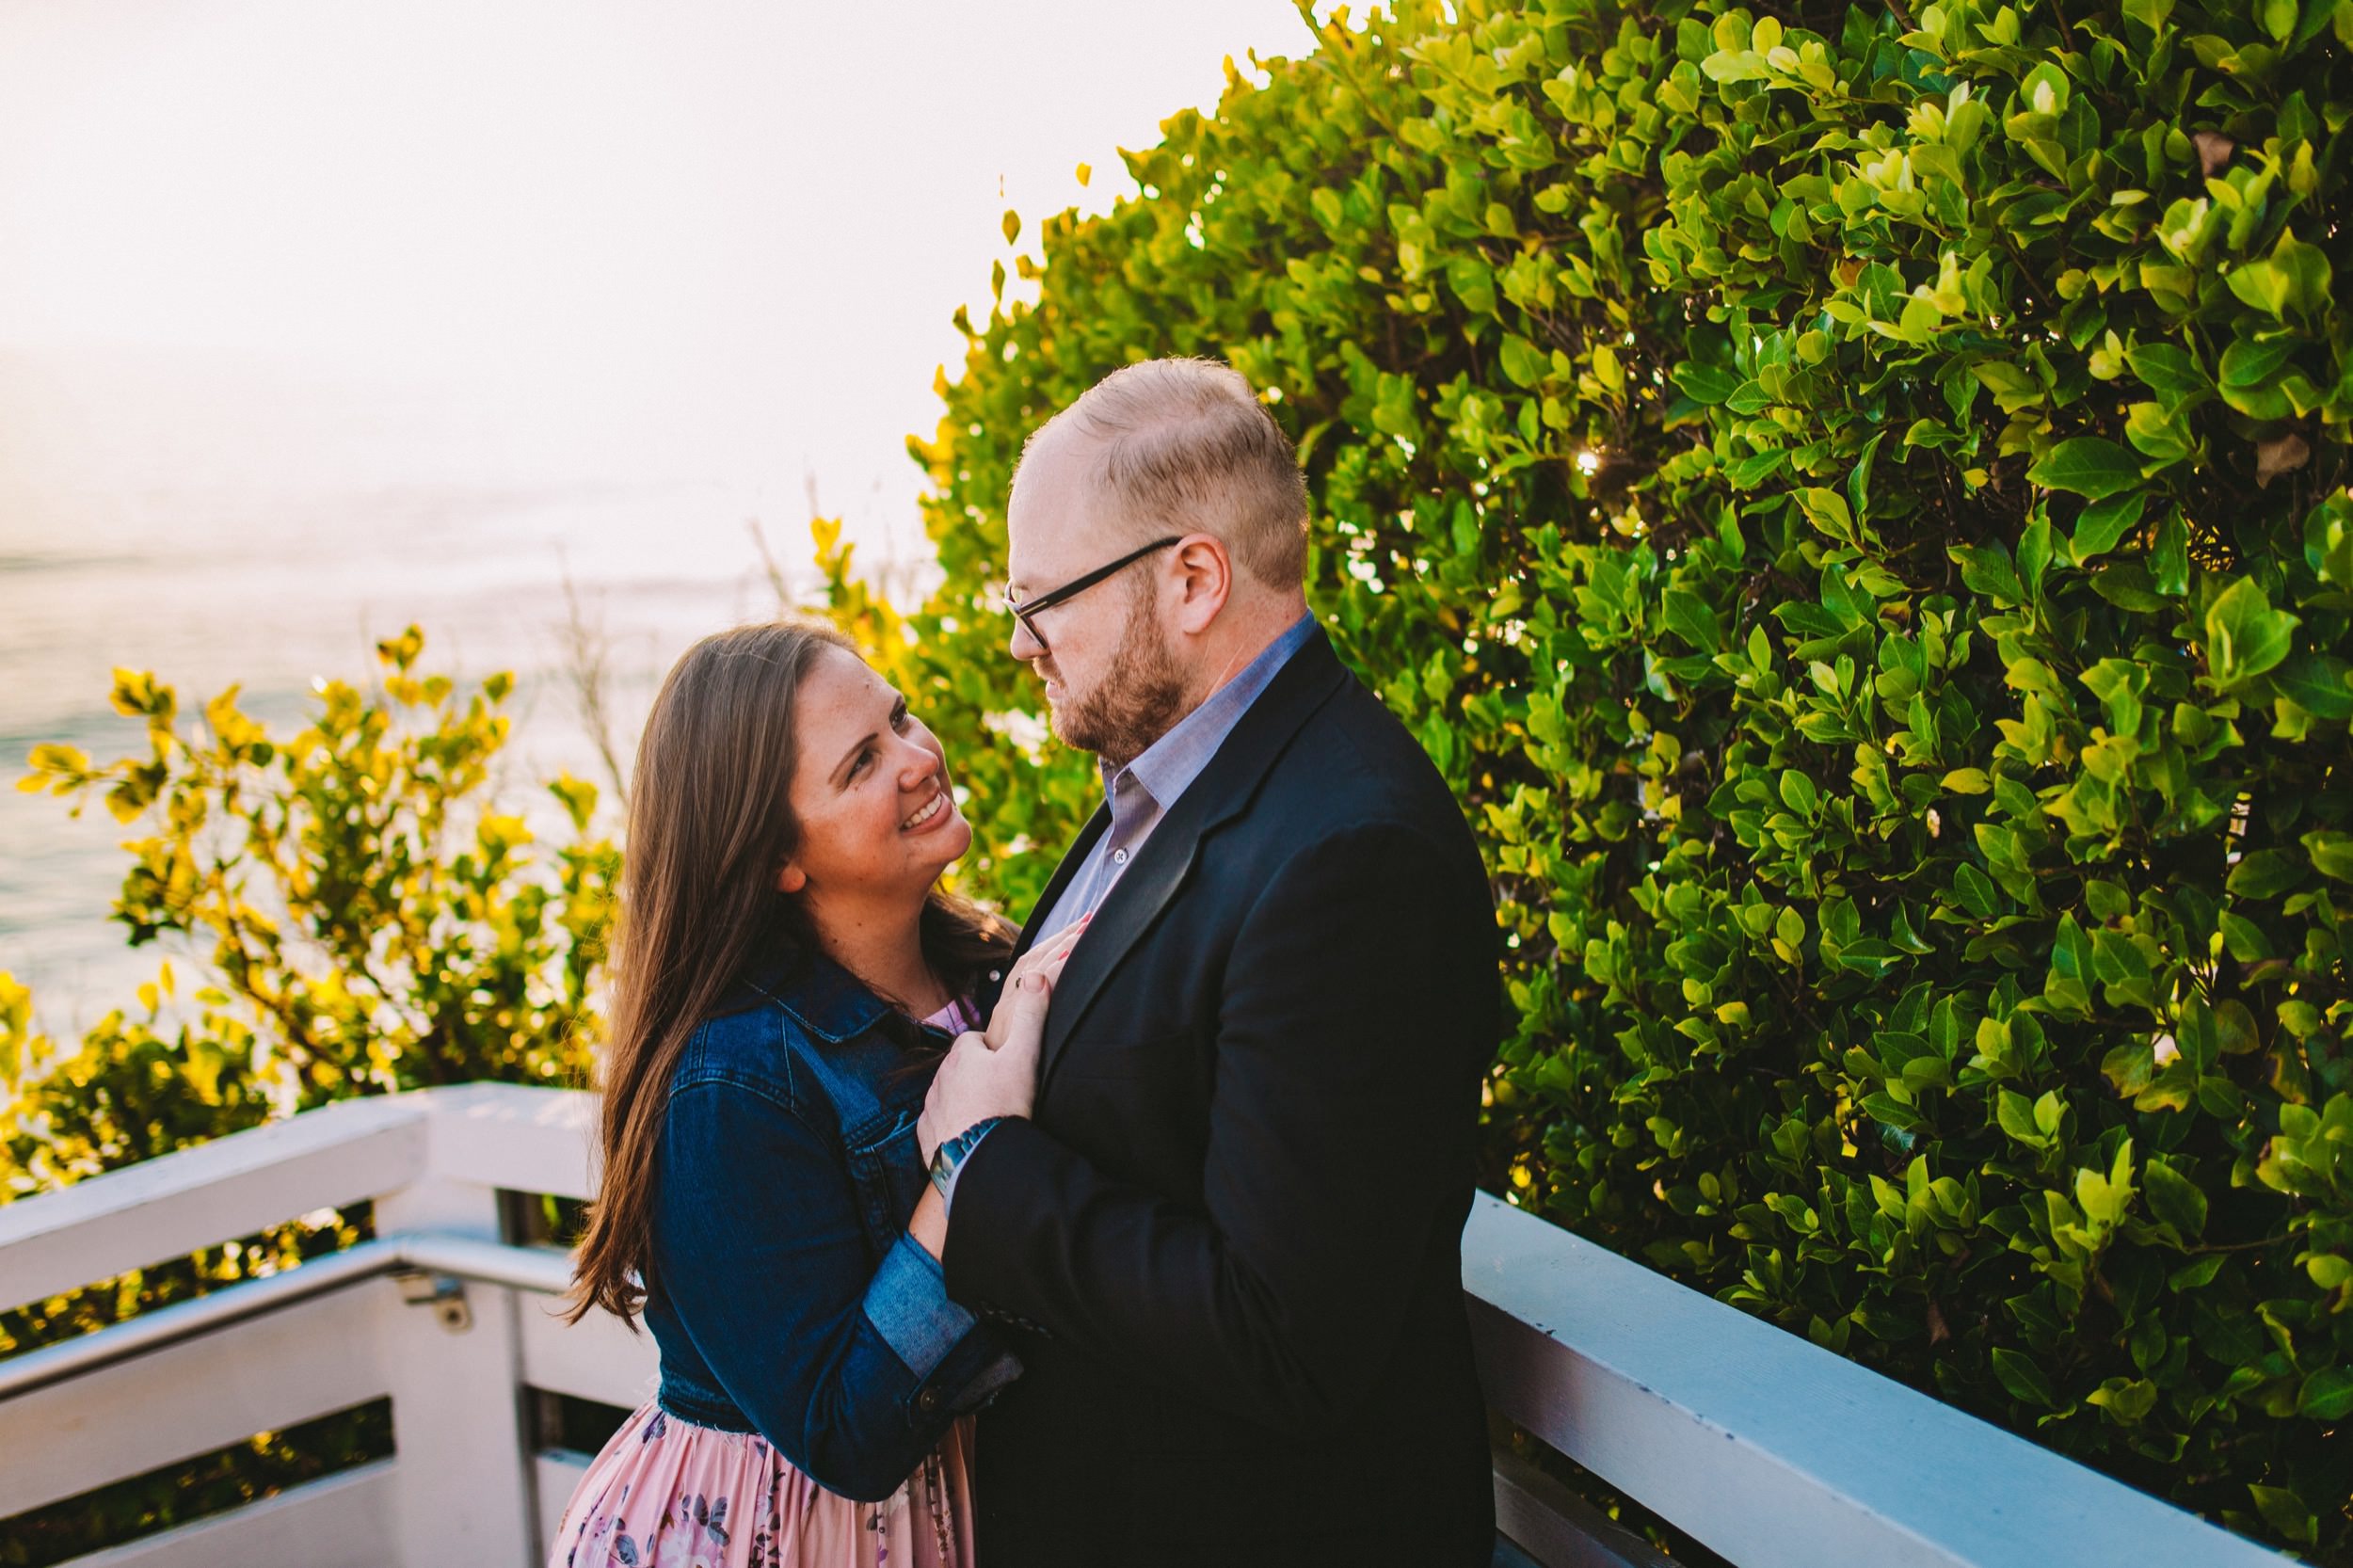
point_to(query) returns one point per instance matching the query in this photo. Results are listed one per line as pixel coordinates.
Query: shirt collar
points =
(1176, 759)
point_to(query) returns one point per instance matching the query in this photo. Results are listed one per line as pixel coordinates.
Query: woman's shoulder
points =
(791, 1029)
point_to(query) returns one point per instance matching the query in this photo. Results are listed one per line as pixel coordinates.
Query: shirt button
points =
(1119, 858)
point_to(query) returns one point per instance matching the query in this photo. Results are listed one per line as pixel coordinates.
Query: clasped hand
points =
(993, 1072)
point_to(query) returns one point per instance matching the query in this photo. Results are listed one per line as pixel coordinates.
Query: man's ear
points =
(791, 878)
(1206, 573)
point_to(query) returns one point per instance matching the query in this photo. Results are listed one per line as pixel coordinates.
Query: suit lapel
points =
(1168, 857)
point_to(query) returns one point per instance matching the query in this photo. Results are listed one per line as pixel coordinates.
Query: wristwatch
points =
(950, 1154)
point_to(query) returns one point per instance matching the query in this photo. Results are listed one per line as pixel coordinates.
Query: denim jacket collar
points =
(824, 998)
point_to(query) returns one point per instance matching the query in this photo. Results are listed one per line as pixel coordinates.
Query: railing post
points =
(464, 1493)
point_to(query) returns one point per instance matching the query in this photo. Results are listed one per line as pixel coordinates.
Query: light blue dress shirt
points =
(1141, 793)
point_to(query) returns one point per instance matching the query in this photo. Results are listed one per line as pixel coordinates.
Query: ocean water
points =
(220, 522)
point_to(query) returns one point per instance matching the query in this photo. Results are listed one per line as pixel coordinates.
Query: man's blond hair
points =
(1184, 446)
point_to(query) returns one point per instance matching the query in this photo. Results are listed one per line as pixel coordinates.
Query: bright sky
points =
(701, 233)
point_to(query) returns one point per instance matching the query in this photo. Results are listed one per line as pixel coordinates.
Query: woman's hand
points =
(1046, 959)
(994, 1073)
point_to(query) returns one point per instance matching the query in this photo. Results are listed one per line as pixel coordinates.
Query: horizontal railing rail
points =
(1770, 1450)
(1755, 1442)
(543, 1269)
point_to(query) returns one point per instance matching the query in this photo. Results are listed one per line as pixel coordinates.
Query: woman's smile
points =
(929, 815)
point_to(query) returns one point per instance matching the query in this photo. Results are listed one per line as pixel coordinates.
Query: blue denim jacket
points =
(785, 1294)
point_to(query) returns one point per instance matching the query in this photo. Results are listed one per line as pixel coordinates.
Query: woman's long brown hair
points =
(710, 822)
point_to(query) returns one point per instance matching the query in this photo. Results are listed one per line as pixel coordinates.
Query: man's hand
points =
(995, 1074)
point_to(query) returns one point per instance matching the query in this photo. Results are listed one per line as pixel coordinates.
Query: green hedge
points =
(1855, 502)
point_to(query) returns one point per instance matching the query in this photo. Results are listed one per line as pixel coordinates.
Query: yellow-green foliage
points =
(364, 918)
(353, 888)
(1854, 501)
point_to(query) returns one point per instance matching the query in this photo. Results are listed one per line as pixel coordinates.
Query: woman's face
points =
(870, 789)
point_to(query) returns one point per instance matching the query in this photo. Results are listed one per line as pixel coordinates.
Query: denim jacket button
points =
(928, 1400)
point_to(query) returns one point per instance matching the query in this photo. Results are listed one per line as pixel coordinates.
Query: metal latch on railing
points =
(444, 1293)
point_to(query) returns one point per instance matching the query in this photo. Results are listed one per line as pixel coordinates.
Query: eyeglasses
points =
(1022, 609)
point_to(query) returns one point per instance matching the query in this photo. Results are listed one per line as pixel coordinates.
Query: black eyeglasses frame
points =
(1022, 609)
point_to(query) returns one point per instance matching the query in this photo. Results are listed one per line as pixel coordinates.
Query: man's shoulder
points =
(1354, 761)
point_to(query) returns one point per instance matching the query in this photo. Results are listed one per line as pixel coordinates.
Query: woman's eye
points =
(899, 717)
(859, 766)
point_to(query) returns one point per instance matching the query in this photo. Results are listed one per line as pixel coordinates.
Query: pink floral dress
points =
(667, 1494)
(664, 1493)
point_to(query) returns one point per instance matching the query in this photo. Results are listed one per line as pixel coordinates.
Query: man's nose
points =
(1025, 646)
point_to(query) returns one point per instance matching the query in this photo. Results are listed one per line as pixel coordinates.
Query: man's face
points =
(1113, 684)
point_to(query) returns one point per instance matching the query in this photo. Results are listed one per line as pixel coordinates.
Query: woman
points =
(788, 973)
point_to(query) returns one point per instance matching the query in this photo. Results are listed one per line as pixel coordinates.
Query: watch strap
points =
(951, 1152)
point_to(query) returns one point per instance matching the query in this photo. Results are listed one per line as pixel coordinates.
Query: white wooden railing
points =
(1771, 1452)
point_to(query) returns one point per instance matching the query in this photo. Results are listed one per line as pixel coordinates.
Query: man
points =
(1220, 1204)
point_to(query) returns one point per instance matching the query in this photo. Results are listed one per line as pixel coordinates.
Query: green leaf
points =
(1826, 510)
(1707, 384)
(2126, 585)
(2190, 1276)
(2089, 466)
(2248, 363)
(2174, 1199)
(1743, 65)
(2104, 522)
(2282, 1509)
(1393, 407)
(1987, 569)
(1976, 890)
(2329, 1270)
(2170, 372)
(2326, 1394)
(2331, 853)
(2306, 270)
(1859, 477)
(2243, 939)
(2024, 1379)
(2245, 635)
(2169, 556)
(2260, 285)
(1521, 360)
(2316, 683)
(1689, 618)
(2161, 434)
(2014, 1113)
(2068, 985)
(1471, 279)
(2129, 1399)
(2264, 874)
(2034, 553)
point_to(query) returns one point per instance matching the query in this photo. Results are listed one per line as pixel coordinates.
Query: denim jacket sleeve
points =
(854, 1373)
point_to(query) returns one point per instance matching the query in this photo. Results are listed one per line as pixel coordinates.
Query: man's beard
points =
(1139, 700)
